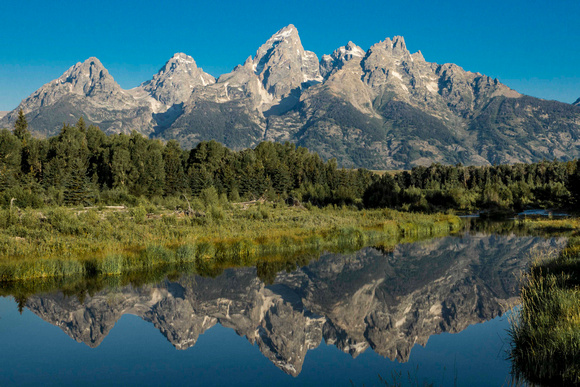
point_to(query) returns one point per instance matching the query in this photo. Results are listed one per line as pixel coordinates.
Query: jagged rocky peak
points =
(351, 50)
(387, 55)
(88, 78)
(577, 103)
(283, 65)
(176, 80)
(395, 48)
(418, 57)
(335, 61)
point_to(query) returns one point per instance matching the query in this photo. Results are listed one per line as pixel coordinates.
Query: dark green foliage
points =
(10, 158)
(574, 184)
(83, 166)
(21, 127)
(509, 187)
(174, 175)
(76, 184)
(382, 193)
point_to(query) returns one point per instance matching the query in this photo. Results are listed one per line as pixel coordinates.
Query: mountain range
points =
(383, 108)
(385, 301)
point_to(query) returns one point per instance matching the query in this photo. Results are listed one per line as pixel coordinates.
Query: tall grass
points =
(65, 241)
(546, 329)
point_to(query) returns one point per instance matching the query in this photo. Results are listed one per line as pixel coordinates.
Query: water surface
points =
(427, 312)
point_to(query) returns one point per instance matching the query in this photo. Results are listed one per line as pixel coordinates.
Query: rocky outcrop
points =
(175, 81)
(386, 302)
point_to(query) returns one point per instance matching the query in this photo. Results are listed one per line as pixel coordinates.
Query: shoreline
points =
(71, 241)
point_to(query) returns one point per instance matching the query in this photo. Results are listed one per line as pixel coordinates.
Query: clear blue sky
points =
(532, 46)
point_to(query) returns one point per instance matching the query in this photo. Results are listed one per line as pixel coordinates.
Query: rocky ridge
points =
(381, 108)
(386, 302)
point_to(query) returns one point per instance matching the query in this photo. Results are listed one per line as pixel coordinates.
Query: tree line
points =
(546, 184)
(84, 166)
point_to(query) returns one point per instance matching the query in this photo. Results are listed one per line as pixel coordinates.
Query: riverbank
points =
(546, 331)
(57, 242)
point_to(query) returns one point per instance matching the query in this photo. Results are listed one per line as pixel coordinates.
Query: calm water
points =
(428, 312)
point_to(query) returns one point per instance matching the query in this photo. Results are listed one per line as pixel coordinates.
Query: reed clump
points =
(546, 329)
(63, 241)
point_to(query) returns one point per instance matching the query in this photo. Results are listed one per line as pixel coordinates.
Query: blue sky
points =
(532, 46)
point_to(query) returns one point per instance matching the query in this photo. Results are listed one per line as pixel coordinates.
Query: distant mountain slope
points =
(577, 103)
(384, 108)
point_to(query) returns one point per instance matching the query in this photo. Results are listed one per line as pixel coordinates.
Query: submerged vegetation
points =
(546, 329)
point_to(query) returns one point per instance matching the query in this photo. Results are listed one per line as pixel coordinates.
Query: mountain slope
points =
(386, 108)
(86, 89)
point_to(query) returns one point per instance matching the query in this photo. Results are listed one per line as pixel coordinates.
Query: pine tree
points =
(21, 127)
(174, 175)
(81, 125)
(10, 159)
(77, 184)
(574, 184)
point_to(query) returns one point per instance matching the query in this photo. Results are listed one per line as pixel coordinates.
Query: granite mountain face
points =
(383, 108)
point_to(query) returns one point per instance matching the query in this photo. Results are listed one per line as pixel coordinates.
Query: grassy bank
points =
(56, 242)
(546, 331)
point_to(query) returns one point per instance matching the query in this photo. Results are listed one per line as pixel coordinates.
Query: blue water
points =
(36, 352)
(385, 302)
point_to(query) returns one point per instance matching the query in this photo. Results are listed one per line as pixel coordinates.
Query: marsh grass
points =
(87, 242)
(551, 225)
(545, 331)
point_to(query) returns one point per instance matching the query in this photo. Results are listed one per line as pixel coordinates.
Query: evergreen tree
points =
(382, 193)
(10, 159)
(174, 175)
(76, 184)
(21, 127)
(81, 125)
(574, 184)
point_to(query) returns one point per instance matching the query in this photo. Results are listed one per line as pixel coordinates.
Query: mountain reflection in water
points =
(388, 301)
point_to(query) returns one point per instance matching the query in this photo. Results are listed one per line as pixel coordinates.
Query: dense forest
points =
(547, 184)
(83, 166)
